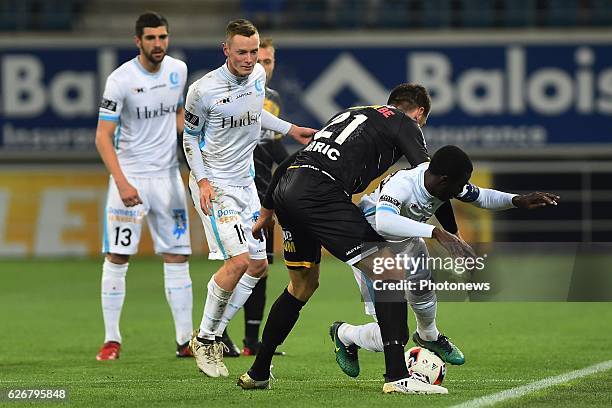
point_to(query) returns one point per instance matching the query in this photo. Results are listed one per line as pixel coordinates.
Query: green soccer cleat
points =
(346, 356)
(443, 347)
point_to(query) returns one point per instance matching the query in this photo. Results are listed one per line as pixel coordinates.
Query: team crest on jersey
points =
(174, 79)
(180, 222)
(259, 87)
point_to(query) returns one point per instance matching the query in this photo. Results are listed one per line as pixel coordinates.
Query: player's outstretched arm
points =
(535, 200)
(302, 135)
(104, 144)
(498, 200)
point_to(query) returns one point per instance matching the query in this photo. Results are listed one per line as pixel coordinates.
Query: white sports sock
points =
(177, 284)
(243, 290)
(216, 302)
(425, 314)
(113, 295)
(366, 336)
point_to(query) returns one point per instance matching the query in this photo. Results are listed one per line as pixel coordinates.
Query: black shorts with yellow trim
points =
(300, 250)
(315, 212)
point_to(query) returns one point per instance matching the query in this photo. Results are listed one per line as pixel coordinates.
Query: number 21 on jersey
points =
(318, 146)
(348, 129)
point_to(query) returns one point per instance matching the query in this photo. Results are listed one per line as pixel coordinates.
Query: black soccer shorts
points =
(314, 211)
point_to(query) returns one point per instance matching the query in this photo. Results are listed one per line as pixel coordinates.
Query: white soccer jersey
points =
(144, 106)
(404, 193)
(223, 120)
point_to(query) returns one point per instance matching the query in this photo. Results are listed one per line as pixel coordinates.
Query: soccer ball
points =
(425, 365)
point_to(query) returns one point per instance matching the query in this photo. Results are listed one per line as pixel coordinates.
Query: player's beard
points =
(155, 59)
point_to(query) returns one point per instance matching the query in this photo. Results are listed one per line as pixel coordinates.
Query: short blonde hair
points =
(266, 42)
(240, 27)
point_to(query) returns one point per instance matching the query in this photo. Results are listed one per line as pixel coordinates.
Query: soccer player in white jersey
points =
(223, 120)
(140, 115)
(399, 209)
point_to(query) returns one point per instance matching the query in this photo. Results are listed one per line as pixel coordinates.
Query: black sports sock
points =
(283, 315)
(392, 314)
(254, 310)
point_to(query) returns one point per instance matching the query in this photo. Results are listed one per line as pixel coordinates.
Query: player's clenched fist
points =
(129, 195)
(265, 221)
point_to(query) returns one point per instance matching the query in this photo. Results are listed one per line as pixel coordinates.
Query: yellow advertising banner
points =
(56, 210)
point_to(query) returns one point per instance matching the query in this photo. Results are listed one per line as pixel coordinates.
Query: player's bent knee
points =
(236, 265)
(258, 268)
(304, 282)
(117, 258)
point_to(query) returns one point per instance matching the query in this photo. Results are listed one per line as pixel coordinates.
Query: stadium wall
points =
(502, 95)
(52, 210)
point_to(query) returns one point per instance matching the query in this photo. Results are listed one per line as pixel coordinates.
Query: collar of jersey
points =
(422, 184)
(233, 78)
(144, 71)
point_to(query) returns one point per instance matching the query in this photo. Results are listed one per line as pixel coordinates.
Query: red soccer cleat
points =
(183, 350)
(109, 351)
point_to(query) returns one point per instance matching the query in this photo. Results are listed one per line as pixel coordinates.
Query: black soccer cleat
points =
(251, 348)
(230, 349)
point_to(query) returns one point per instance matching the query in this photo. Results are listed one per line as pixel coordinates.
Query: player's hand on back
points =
(535, 200)
(207, 195)
(265, 221)
(129, 194)
(455, 245)
(302, 135)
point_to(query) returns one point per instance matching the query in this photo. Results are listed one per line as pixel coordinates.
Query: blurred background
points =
(525, 86)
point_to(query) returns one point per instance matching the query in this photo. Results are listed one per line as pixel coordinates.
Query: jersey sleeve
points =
(486, 198)
(193, 139)
(411, 142)
(271, 122)
(112, 100)
(389, 222)
(185, 73)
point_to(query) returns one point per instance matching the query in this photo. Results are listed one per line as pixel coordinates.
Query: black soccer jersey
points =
(270, 149)
(360, 144)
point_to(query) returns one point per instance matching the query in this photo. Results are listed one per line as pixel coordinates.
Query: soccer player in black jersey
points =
(313, 204)
(268, 152)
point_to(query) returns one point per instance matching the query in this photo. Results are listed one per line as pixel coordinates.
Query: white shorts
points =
(165, 207)
(413, 247)
(229, 230)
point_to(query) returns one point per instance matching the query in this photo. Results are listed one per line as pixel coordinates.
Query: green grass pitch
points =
(51, 328)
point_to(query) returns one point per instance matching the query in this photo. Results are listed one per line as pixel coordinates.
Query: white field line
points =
(534, 386)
